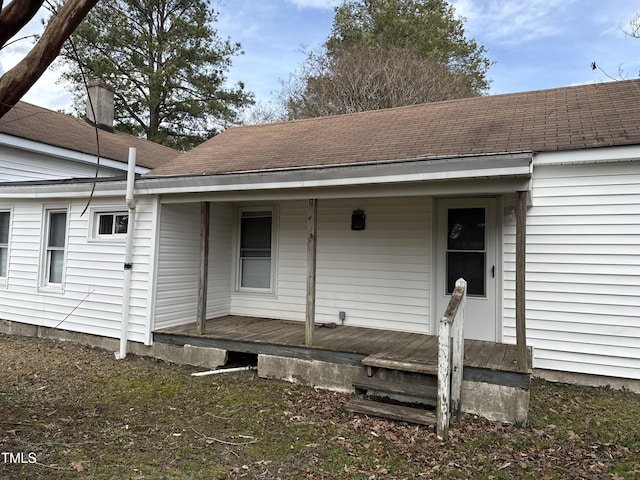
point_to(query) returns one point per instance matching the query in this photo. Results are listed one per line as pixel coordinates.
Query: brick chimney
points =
(100, 95)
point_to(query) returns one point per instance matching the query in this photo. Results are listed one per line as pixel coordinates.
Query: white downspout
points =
(128, 255)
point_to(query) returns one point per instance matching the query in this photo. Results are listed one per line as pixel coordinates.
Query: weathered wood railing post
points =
(444, 386)
(450, 359)
(457, 355)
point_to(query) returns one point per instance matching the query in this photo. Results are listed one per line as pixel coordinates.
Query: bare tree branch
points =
(17, 81)
(360, 78)
(15, 16)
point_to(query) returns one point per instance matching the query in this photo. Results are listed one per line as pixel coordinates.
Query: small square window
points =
(112, 224)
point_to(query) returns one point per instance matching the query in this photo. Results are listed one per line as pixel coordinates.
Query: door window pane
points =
(465, 229)
(466, 255)
(467, 265)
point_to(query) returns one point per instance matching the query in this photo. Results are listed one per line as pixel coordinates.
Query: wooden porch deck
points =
(342, 344)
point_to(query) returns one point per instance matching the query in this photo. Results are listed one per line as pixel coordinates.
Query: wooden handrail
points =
(450, 359)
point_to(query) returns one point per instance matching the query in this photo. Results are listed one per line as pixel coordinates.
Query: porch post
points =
(312, 226)
(203, 279)
(521, 257)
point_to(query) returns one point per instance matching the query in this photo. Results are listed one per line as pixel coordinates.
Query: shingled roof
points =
(581, 117)
(57, 129)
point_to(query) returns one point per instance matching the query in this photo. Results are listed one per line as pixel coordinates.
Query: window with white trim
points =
(111, 224)
(55, 246)
(256, 249)
(5, 222)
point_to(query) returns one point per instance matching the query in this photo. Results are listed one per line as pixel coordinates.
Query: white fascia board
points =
(63, 153)
(494, 166)
(53, 189)
(590, 155)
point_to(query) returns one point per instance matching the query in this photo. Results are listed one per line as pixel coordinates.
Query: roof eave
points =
(64, 153)
(413, 171)
(384, 172)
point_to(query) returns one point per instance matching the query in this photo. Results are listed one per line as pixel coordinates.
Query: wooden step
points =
(428, 393)
(394, 412)
(381, 361)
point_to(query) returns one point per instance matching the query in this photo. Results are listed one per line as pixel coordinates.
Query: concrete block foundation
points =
(314, 373)
(209, 358)
(495, 402)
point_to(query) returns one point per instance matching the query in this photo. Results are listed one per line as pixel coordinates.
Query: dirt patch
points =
(68, 411)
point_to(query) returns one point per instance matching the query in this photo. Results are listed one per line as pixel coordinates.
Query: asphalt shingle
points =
(57, 129)
(587, 116)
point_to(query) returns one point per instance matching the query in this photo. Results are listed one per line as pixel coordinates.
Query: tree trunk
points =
(17, 81)
(15, 16)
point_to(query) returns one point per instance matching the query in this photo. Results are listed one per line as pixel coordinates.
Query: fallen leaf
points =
(572, 435)
(77, 466)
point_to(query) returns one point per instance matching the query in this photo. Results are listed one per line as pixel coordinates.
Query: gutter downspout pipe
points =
(128, 255)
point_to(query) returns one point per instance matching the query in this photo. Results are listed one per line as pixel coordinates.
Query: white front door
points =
(466, 247)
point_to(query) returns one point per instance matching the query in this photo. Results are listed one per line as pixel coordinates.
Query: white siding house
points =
(438, 186)
(87, 297)
(61, 255)
(583, 259)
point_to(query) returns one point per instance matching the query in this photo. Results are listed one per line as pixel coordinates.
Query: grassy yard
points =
(71, 412)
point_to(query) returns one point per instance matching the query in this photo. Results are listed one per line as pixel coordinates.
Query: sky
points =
(534, 44)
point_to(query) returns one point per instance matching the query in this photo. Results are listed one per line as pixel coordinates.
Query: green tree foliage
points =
(430, 28)
(425, 37)
(167, 65)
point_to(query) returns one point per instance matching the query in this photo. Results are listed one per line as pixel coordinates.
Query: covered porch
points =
(266, 272)
(345, 345)
(424, 278)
